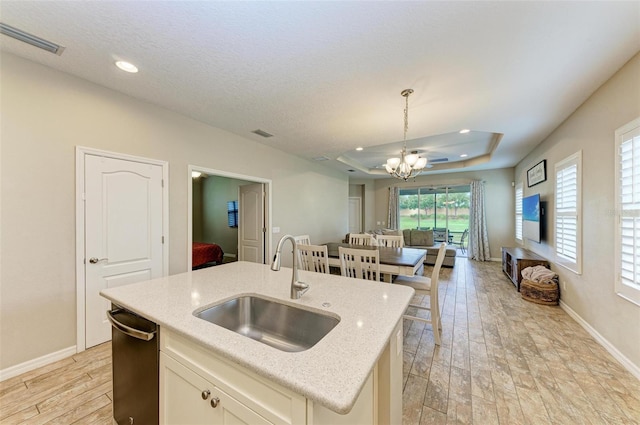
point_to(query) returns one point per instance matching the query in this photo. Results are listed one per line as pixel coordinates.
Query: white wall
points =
(591, 129)
(45, 115)
(499, 200)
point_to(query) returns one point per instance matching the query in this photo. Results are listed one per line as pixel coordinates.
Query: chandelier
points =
(407, 166)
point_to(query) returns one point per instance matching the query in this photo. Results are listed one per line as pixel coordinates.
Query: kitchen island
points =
(352, 375)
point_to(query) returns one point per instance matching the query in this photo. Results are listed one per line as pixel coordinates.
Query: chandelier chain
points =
(407, 166)
(406, 118)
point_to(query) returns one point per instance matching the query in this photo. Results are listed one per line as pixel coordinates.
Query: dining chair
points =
(390, 241)
(427, 286)
(360, 263)
(462, 242)
(361, 239)
(314, 258)
(302, 239)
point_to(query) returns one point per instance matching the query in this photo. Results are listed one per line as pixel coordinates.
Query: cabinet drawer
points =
(273, 402)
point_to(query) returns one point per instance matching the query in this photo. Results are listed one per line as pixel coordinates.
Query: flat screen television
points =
(531, 215)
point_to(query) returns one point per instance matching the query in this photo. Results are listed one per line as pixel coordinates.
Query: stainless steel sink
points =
(278, 325)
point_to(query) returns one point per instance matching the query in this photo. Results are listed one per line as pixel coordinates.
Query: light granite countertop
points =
(331, 373)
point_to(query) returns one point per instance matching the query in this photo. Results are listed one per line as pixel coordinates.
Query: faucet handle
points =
(297, 289)
(301, 285)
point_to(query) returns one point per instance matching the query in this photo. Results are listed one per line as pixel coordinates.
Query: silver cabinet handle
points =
(127, 330)
(214, 402)
(94, 260)
(206, 394)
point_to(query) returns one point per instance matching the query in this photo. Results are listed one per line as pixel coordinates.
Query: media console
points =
(514, 260)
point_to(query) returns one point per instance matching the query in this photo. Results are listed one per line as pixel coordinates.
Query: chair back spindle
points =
(390, 241)
(314, 258)
(360, 263)
(361, 239)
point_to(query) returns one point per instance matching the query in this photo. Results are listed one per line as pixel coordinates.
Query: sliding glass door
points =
(443, 209)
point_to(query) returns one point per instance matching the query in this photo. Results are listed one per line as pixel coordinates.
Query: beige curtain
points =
(392, 217)
(478, 237)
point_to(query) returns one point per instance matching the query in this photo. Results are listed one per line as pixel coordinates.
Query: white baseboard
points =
(229, 255)
(628, 364)
(30, 365)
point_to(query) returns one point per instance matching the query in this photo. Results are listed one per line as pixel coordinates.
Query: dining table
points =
(393, 261)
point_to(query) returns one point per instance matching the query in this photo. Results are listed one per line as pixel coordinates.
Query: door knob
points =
(214, 402)
(94, 260)
(206, 394)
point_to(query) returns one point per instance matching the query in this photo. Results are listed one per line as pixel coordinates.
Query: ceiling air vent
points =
(36, 41)
(320, 158)
(262, 133)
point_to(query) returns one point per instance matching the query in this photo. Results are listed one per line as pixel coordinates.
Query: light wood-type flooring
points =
(502, 361)
(76, 390)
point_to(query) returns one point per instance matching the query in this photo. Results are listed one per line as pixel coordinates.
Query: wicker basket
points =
(540, 293)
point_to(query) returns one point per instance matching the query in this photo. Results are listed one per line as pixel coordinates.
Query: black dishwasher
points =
(135, 354)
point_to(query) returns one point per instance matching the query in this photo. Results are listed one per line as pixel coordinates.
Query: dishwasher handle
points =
(128, 330)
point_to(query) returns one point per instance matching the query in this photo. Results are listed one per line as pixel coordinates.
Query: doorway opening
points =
(443, 209)
(355, 215)
(217, 221)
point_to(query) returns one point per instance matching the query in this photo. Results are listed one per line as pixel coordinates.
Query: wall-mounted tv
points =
(531, 217)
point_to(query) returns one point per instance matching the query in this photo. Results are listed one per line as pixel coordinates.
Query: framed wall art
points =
(537, 173)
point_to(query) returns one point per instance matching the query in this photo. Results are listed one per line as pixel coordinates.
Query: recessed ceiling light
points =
(127, 67)
(464, 131)
(464, 155)
(359, 148)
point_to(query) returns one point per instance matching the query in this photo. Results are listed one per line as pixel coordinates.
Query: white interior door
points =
(123, 232)
(251, 227)
(355, 215)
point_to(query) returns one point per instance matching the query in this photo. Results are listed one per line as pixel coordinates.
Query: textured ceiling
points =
(325, 77)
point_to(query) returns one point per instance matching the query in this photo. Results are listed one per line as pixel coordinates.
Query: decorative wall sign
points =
(537, 173)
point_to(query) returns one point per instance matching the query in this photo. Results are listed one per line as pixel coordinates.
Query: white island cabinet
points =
(210, 375)
(198, 387)
(188, 398)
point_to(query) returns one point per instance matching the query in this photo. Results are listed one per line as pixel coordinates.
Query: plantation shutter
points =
(519, 194)
(232, 213)
(567, 213)
(629, 206)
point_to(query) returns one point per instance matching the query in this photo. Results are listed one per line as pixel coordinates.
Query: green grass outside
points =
(456, 224)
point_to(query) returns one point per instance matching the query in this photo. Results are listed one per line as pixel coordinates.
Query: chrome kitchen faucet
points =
(297, 288)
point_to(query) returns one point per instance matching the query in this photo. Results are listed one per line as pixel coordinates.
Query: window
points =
(444, 209)
(627, 207)
(519, 211)
(232, 213)
(568, 221)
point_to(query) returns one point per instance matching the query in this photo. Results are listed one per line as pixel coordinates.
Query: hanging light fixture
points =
(407, 166)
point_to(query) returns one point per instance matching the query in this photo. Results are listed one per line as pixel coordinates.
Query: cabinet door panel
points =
(234, 413)
(272, 402)
(181, 395)
(181, 399)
